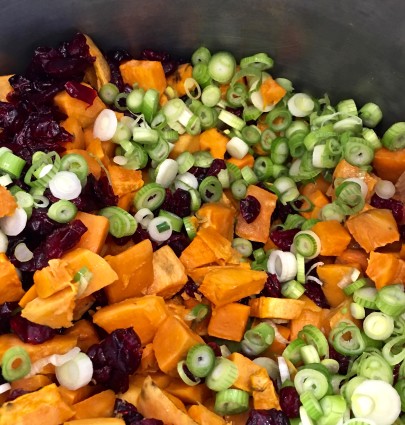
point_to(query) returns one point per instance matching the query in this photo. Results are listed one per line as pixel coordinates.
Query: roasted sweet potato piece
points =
(214, 141)
(97, 231)
(99, 405)
(229, 321)
(100, 73)
(276, 308)
(147, 74)
(334, 237)
(177, 79)
(10, 283)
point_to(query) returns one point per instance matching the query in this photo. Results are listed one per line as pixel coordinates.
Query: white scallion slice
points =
(76, 373)
(54, 359)
(283, 369)
(22, 253)
(188, 179)
(300, 105)
(105, 125)
(5, 387)
(14, 224)
(385, 189)
(160, 229)
(283, 264)
(144, 217)
(65, 185)
(361, 182)
(3, 242)
(237, 148)
(166, 172)
(376, 400)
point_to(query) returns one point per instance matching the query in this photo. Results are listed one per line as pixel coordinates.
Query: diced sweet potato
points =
(75, 396)
(144, 314)
(56, 311)
(134, 268)
(259, 229)
(177, 79)
(271, 92)
(334, 237)
(76, 108)
(385, 269)
(218, 216)
(229, 321)
(169, 274)
(190, 395)
(246, 368)
(153, 403)
(94, 166)
(100, 405)
(124, 181)
(5, 87)
(204, 416)
(10, 283)
(32, 383)
(44, 406)
(53, 278)
(214, 141)
(185, 143)
(85, 333)
(307, 317)
(389, 165)
(72, 126)
(373, 228)
(8, 204)
(101, 69)
(97, 231)
(170, 350)
(276, 308)
(226, 285)
(102, 273)
(147, 74)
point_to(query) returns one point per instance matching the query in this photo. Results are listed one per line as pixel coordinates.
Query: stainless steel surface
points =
(346, 47)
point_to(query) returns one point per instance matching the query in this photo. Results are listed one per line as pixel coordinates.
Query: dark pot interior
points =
(349, 48)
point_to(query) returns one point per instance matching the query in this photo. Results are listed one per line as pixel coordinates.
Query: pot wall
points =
(349, 48)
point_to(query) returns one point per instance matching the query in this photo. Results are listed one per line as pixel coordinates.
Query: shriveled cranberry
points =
(282, 211)
(30, 332)
(17, 392)
(343, 360)
(7, 310)
(191, 289)
(199, 172)
(283, 238)
(127, 411)
(178, 242)
(290, 401)
(267, 417)
(216, 348)
(168, 62)
(314, 292)
(216, 166)
(272, 287)
(40, 225)
(396, 206)
(141, 235)
(401, 229)
(236, 111)
(54, 246)
(96, 194)
(80, 91)
(250, 208)
(115, 358)
(177, 202)
(114, 59)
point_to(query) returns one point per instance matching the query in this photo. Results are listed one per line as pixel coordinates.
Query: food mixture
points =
(196, 242)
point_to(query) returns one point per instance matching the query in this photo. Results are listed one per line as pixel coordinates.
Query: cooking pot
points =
(347, 48)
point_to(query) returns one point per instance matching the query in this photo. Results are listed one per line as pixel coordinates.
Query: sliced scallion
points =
(15, 363)
(200, 360)
(62, 211)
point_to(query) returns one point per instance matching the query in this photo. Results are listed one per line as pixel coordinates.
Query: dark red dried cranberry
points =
(7, 310)
(191, 289)
(114, 59)
(396, 206)
(54, 246)
(178, 242)
(282, 211)
(96, 194)
(177, 202)
(141, 235)
(30, 332)
(267, 417)
(283, 238)
(18, 392)
(250, 208)
(199, 172)
(314, 292)
(401, 229)
(81, 92)
(236, 111)
(216, 166)
(40, 225)
(115, 358)
(216, 348)
(343, 360)
(127, 411)
(272, 287)
(290, 401)
(169, 64)
(149, 422)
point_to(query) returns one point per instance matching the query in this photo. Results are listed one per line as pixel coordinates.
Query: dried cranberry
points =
(314, 292)
(272, 287)
(282, 211)
(30, 332)
(96, 194)
(115, 358)
(178, 242)
(127, 411)
(191, 289)
(54, 246)
(169, 64)
(343, 360)
(290, 401)
(250, 208)
(81, 92)
(216, 348)
(149, 422)
(40, 225)
(267, 417)
(114, 59)
(283, 238)
(216, 166)
(236, 111)
(177, 202)
(199, 172)
(397, 207)
(401, 229)
(7, 310)
(141, 235)
(17, 392)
